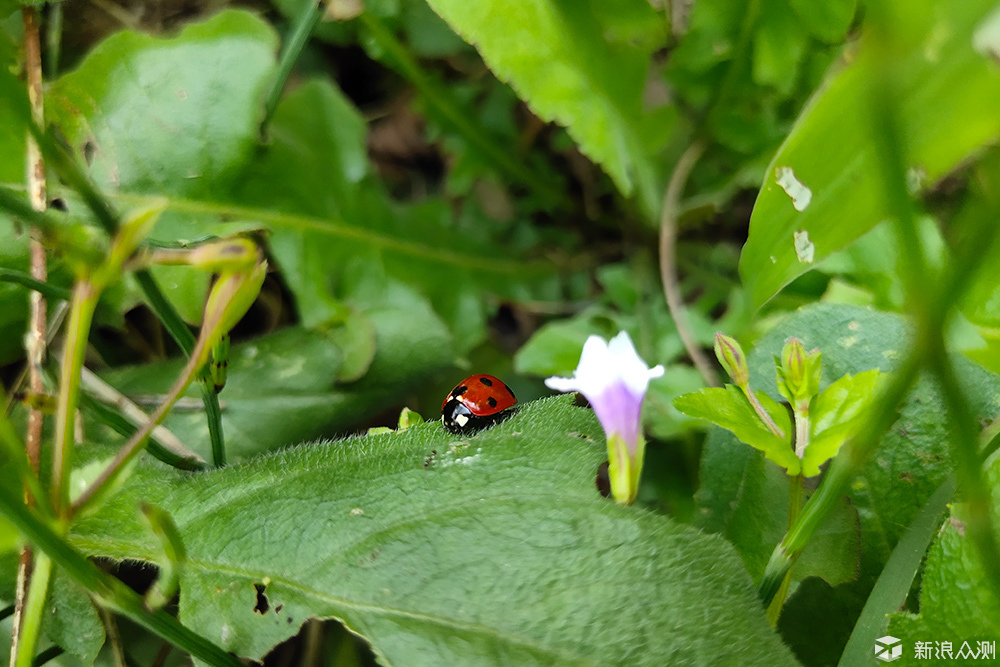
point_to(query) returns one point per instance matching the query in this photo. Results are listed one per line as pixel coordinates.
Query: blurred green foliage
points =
(449, 188)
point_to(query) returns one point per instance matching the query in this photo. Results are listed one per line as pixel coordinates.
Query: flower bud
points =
(231, 297)
(730, 355)
(799, 372)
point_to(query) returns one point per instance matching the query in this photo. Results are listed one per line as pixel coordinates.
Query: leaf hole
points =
(89, 149)
(603, 480)
(262, 604)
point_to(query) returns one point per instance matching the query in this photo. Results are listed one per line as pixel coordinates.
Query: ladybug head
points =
(456, 415)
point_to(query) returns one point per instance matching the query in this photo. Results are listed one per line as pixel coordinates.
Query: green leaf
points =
(339, 239)
(285, 387)
(71, 620)
(356, 338)
(952, 606)
(13, 298)
(836, 415)
(176, 117)
(569, 68)
(555, 348)
(778, 47)
(176, 114)
(822, 187)
(890, 591)
(729, 408)
(499, 551)
(13, 136)
(827, 21)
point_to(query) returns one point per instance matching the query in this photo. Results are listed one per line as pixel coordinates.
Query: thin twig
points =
(35, 338)
(114, 637)
(105, 393)
(138, 439)
(668, 261)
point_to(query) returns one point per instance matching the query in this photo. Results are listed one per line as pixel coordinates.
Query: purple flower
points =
(614, 379)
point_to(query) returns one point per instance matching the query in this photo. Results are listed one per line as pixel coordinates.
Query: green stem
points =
(186, 340)
(440, 100)
(47, 290)
(306, 20)
(930, 299)
(931, 320)
(122, 426)
(164, 310)
(77, 333)
(107, 590)
(761, 412)
(213, 411)
(53, 39)
(801, 430)
(842, 470)
(989, 440)
(66, 166)
(135, 444)
(795, 491)
(34, 607)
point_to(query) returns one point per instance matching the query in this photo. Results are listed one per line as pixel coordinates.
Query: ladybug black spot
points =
(459, 390)
(485, 380)
(492, 401)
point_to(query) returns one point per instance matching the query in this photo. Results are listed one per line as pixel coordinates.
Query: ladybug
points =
(478, 401)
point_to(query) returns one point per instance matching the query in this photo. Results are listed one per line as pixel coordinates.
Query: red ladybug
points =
(478, 401)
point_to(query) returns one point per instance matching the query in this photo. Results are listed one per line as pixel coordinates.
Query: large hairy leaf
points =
(492, 549)
(822, 191)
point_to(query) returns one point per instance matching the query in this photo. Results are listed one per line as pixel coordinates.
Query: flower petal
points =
(630, 366)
